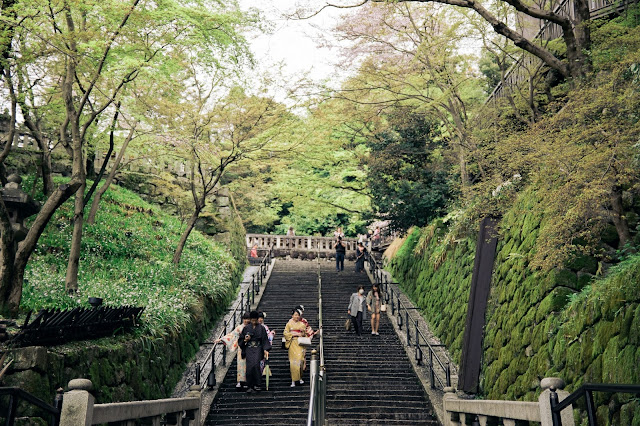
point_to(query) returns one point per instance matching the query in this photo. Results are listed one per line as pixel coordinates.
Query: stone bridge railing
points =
(459, 412)
(290, 245)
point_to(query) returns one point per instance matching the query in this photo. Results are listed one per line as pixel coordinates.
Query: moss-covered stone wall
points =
(559, 323)
(435, 273)
(122, 368)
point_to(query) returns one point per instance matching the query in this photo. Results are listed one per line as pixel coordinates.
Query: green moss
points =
(537, 324)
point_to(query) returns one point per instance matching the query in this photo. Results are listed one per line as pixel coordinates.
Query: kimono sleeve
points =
(266, 343)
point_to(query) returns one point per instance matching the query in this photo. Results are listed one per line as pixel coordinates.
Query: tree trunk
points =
(71, 279)
(114, 168)
(464, 175)
(617, 215)
(45, 156)
(183, 238)
(583, 37)
(7, 259)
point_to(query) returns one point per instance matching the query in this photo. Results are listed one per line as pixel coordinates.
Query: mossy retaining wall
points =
(558, 323)
(129, 366)
(122, 368)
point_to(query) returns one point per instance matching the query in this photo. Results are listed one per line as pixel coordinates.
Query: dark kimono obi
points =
(253, 344)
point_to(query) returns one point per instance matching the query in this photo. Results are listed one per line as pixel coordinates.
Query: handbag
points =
(304, 341)
(383, 308)
(347, 324)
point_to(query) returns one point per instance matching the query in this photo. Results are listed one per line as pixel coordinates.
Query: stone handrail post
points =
(553, 384)
(79, 408)
(77, 405)
(459, 411)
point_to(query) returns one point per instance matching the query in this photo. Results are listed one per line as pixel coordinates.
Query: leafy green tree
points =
(314, 187)
(67, 63)
(406, 173)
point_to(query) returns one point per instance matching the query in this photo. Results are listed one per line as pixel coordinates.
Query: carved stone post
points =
(194, 392)
(77, 405)
(553, 384)
(451, 418)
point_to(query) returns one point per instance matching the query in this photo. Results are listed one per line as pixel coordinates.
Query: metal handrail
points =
(318, 384)
(586, 391)
(375, 269)
(16, 394)
(243, 305)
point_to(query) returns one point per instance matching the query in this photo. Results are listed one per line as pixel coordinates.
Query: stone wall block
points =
(32, 357)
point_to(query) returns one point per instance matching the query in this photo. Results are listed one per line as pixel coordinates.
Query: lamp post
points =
(20, 205)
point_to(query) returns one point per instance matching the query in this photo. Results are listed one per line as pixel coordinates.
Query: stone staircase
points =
(370, 379)
(291, 283)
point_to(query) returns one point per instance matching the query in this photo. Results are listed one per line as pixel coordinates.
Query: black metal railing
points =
(317, 372)
(586, 391)
(54, 327)
(217, 357)
(384, 236)
(418, 340)
(17, 394)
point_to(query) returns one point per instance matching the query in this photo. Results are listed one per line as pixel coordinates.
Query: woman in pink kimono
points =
(231, 342)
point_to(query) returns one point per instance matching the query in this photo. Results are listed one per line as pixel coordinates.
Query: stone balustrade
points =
(301, 243)
(79, 409)
(460, 411)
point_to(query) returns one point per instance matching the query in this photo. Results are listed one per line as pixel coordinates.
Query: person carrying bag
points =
(357, 309)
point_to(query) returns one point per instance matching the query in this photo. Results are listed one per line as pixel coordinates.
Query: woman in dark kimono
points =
(255, 345)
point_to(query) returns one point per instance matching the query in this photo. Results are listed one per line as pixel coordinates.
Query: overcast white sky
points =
(295, 43)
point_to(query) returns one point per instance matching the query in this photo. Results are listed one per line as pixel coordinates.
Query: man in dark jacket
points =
(341, 250)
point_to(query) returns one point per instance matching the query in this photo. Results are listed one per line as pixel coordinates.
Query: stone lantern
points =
(20, 205)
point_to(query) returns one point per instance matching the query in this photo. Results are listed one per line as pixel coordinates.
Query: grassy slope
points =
(126, 259)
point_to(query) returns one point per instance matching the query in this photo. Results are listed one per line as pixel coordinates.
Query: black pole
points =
(448, 374)
(198, 374)
(431, 372)
(591, 408)
(12, 409)
(393, 305)
(407, 327)
(57, 404)
(211, 378)
(555, 416)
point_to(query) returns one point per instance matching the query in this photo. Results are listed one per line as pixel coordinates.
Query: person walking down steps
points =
(270, 335)
(361, 253)
(255, 346)
(357, 309)
(341, 250)
(231, 342)
(375, 300)
(295, 329)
